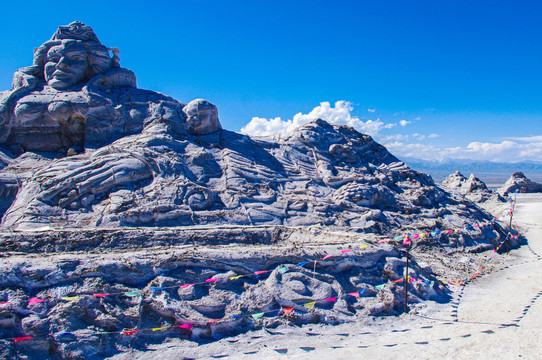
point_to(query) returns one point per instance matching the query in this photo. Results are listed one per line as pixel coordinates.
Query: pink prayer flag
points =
(407, 240)
(450, 231)
(354, 294)
(382, 241)
(345, 251)
(23, 338)
(130, 332)
(212, 321)
(184, 286)
(186, 326)
(327, 257)
(260, 272)
(287, 310)
(5, 302)
(100, 295)
(415, 236)
(211, 280)
(33, 301)
(331, 299)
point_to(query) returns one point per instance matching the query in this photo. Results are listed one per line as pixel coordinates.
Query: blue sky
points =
(430, 79)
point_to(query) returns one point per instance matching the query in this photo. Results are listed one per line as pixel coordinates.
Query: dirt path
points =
(497, 316)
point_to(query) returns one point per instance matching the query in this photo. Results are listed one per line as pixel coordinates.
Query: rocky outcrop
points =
(119, 204)
(472, 187)
(519, 182)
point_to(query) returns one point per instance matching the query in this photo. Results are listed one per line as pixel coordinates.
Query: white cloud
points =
(404, 122)
(371, 110)
(341, 114)
(505, 151)
(433, 136)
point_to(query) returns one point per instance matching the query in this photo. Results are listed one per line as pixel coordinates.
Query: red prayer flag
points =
(184, 286)
(354, 294)
(260, 272)
(23, 338)
(130, 332)
(327, 257)
(398, 280)
(287, 310)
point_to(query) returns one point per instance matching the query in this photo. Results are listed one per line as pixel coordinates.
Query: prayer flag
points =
(398, 280)
(345, 251)
(310, 305)
(100, 295)
(407, 240)
(363, 246)
(382, 241)
(5, 302)
(22, 338)
(398, 237)
(331, 299)
(415, 236)
(212, 321)
(33, 301)
(155, 288)
(327, 257)
(129, 332)
(211, 280)
(287, 310)
(184, 286)
(260, 272)
(282, 270)
(258, 315)
(69, 298)
(303, 263)
(65, 334)
(186, 326)
(237, 316)
(160, 328)
(236, 277)
(422, 235)
(379, 287)
(131, 293)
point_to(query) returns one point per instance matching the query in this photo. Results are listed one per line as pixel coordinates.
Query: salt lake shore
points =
(495, 316)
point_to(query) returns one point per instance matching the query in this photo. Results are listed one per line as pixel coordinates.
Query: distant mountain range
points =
(493, 173)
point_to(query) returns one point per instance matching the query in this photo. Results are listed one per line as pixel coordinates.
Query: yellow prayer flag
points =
(160, 328)
(310, 305)
(363, 246)
(69, 298)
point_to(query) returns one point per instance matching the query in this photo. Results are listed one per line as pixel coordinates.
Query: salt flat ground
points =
(496, 316)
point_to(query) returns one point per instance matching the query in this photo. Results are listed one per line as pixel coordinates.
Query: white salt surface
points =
(498, 317)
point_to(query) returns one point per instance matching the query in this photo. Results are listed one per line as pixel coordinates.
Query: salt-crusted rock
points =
(472, 188)
(519, 182)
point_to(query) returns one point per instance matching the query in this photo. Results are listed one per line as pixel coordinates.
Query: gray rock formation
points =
(519, 182)
(76, 96)
(472, 188)
(147, 172)
(320, 175)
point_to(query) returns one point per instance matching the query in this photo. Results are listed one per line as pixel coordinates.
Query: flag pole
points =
(407, 279)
